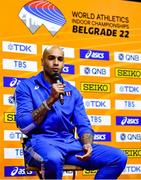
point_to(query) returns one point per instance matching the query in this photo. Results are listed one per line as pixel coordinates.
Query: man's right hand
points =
(57, 88)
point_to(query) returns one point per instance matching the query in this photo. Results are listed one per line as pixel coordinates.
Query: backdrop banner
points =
(101, 41)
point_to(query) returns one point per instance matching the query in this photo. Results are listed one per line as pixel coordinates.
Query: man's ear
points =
(42, 61)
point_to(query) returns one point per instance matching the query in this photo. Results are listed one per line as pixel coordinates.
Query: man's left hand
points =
(88, 152)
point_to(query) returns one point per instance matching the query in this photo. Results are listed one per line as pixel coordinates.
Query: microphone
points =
(57, 78)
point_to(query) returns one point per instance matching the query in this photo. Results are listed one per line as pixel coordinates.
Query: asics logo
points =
(36, 87)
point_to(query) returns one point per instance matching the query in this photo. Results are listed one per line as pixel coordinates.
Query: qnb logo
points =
(94, 71)
(123, 136)
(11, 99)
(127, 57)
(128, 137)
(87, 70)
(100, 71)
(121, 56)
(38, 12)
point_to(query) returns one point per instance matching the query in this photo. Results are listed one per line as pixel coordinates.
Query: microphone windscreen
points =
(56, 77)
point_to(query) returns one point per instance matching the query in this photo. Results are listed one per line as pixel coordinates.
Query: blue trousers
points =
(109, 161)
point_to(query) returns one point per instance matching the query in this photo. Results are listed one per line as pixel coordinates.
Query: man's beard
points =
(50, 74)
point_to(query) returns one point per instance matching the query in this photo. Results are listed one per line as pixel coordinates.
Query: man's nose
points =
(55, 61)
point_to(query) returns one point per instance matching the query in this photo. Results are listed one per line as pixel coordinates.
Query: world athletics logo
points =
(41, 12)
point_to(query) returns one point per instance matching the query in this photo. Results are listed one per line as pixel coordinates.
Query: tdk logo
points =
(127, 57)
(132, 169)
(97, 103)
(128, 121)
(68, 69)
(11, 81)
(102, 136)
(127, 89)
(17, 171)
(37, 13)
(11, 135)
(94, 54)
(19, 47)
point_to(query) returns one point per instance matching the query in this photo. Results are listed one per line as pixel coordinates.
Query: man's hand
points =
(88, 152)
(57, 88)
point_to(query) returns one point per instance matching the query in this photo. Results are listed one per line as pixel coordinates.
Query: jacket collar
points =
(39, 79)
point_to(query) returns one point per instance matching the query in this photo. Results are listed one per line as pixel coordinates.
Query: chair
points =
(66, 167)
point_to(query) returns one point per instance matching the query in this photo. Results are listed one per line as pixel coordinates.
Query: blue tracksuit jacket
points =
(60, 120)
